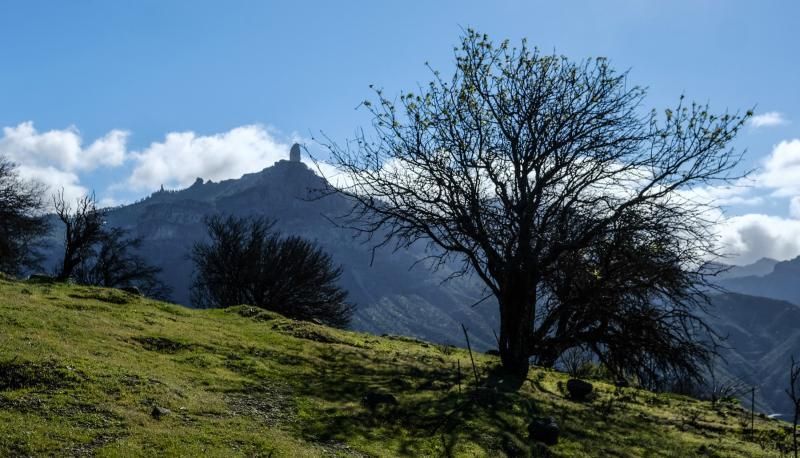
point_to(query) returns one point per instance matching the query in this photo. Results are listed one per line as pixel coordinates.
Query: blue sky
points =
(120, 97)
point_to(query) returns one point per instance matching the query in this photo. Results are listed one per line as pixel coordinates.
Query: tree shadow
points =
(430, 405)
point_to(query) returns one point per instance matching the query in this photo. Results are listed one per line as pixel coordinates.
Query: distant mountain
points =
(782, 283)
(391, 297)
(762, 335)
(763, 266)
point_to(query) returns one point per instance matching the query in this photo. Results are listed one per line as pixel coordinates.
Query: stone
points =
(578, 389)
(545, 430)
(493, 352)
(374, 399)
(159, 412)
(294, 153)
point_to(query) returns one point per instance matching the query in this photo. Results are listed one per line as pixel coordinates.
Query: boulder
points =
(159, 412)
(493, 352)
(373, 399)
(544, 430)
(578, 389)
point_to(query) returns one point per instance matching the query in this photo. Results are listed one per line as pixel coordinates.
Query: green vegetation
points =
(82, 370)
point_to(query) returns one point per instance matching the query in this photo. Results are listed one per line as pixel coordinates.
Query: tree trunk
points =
(516, 324)
(794, 430)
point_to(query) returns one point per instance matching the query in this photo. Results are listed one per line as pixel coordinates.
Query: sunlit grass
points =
(92, 363)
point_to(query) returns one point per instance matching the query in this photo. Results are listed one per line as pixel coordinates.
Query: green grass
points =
(82, 368)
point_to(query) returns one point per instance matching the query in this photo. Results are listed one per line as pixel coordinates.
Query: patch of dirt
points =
(335, 449)
(257, 314)
(271, 404)
(162, 344)
(15, 375)
(89, 449)
(309, 331)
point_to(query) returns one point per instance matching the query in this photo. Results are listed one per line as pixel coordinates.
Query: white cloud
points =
(62, 149)
(739, 193)
(769, 119)
(55, 180)
(57, 157)
(184, 156)
(794, 207)
(781, 171)
(747, 238)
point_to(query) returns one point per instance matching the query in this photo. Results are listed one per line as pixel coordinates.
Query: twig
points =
(474, 369)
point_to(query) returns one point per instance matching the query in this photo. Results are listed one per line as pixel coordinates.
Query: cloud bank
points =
(63, 159)
(184, 156)
(749, 237)
(60, 158)
(57, 157)
(769, 119)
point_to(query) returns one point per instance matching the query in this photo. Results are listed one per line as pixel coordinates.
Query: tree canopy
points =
(95, 254)
(549, 181)
(247, 262)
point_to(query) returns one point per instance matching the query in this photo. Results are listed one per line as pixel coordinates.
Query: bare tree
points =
(83, 228)
(576, 361)
(523, 162)
(22, 224)
(794, 394)
(247, 262)
(113, 262)
(720, 387)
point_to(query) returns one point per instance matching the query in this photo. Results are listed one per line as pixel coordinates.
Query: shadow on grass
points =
(430, 406)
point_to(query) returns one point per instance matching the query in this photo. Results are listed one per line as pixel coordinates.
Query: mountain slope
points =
(391, 296)
(89, 371)
(763, 266)
(762, 335)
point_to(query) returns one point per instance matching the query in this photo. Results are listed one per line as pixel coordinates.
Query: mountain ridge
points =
(391, 295)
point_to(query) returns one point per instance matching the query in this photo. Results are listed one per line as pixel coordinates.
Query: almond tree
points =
(522, 163)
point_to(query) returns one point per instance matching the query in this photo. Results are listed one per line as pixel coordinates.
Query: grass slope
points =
(81, 370)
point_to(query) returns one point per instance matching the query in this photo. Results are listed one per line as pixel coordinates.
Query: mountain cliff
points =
(762, 335)
(391, 296)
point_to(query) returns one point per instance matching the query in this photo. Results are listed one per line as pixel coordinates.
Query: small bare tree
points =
(83, 227)
(794, 394)
(113, 261)
(576, 361)
(21, 221)
(718, 386)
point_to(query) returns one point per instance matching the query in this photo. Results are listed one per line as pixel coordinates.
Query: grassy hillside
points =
(82, 369)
